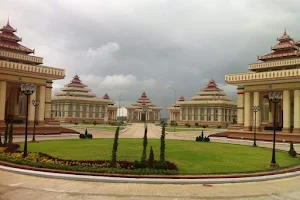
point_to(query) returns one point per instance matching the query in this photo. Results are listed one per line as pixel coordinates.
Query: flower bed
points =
(42, 160)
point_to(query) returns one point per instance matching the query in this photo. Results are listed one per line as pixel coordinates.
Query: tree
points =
(115, 149)
(11, 132)
(162, 145)
(86, 133)
(151, 158)
(292, 151)
(144, 154)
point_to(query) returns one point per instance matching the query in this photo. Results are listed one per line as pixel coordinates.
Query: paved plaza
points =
(16, 186)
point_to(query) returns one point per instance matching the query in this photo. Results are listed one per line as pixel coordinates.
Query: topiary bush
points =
(202, 138)
(94, 122)
(219, 126)
(187, 125)
(151, 159)
(196, 124)
(292, 151)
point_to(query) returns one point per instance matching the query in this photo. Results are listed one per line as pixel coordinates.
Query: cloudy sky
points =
(149, 45)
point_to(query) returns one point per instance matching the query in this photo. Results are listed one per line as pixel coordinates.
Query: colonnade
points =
(246, 100)
(12, 98)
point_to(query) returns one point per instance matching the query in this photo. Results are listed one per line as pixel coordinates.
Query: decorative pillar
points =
(193, 119)
(47, 111)
(247, 105)
(286, 111)
(180, 114)
(256, 101)
(41, 107)
(3, 85)
(240, 106)
(220, 115)
(296, 111)
(205, 115)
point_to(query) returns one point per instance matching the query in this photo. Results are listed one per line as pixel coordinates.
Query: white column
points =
(258, 114)
(240, 106)
(286, 111)
(247, 123)
(219, 114)
(31, 107)
(2, 100)
(296, 111)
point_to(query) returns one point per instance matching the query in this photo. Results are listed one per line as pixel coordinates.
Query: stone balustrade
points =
(279, 63)
(32, 68)
(241, 77)
(22, 57)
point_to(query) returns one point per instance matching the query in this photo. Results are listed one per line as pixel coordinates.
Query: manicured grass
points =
(191, 157)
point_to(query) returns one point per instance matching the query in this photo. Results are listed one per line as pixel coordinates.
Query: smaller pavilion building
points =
(76, 103)
(211, 106)
(136, 113)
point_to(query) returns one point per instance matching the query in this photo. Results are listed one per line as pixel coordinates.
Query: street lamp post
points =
(145, 109)
(255, 110)
(27, 89)
(274, 97)
(35, 104)
(174, 106)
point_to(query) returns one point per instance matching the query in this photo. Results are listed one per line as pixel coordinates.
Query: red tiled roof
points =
(8, 28)
(10, 36)
(143, 96)
(15, 46)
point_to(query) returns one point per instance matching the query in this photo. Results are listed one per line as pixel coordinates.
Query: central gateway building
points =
(278, 71)
(136, 113)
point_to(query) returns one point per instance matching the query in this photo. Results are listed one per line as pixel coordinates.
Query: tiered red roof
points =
(76, 82)
(181, 98)
(9, 41)
(285, 48)
(106, 96)
(211, 86)
(297, 43)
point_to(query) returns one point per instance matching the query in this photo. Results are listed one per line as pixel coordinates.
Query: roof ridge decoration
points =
(9, 40)
(106, 96)
(211, 86)
(286, 47)
(76, 82)
(181, 98)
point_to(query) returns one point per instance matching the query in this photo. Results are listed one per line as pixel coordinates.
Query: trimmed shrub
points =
(196, 124)
(76, 123)
(82, 136)
(173, 123)
(187, 125)
(162, 145)
(94, 122)
(202, 138)
(219, 126)
(292, 151)
(10, 133)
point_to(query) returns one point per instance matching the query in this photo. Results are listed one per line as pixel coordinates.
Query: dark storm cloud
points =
(133, 45)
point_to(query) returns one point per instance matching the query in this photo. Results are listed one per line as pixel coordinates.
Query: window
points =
(83, 110)
(183, 113)
(225, 115)
(97, 111)
(103, 111)
(266, 109)
(77, 114)
(202, 114)
(208, 114)
(70, 113)
(190, 114)
(216, 114)
(229, 113)
(91, 111)
(196, 114)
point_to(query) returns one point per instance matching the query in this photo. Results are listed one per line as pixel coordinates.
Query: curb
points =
(106, 179)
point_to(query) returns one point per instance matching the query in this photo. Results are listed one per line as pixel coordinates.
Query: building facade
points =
(211, 106)
(18, 66)
(278, 71)
(76, 103)
(136, 112)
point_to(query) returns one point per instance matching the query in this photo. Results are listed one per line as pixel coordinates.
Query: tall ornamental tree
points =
(115, 149)
(162, 145)
(144, 154)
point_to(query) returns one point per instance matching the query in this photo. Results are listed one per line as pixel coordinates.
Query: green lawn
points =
(191, 157)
